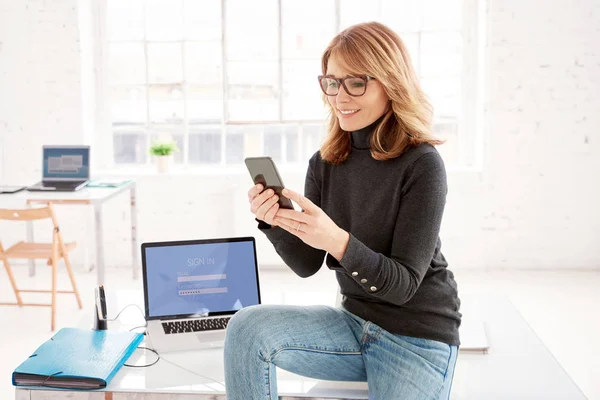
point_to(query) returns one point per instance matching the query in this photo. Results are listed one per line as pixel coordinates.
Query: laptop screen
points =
(203, 278)
(66, 163)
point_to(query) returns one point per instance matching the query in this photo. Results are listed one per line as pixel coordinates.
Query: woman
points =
(374, 198)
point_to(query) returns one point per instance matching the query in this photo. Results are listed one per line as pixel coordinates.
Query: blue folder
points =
(77, 359)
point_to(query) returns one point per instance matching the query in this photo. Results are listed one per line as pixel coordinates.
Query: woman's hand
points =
(264, 205)
(313, 226)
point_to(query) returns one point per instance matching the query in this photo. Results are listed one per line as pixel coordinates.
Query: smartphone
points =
(263, 171)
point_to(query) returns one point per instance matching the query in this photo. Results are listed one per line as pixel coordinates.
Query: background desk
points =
(86, 196)
(518, 366)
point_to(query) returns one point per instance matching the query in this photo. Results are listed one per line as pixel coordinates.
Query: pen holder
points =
(99, 324)
(100, 320)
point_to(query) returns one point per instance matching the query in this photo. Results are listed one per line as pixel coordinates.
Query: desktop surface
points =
(518, 365)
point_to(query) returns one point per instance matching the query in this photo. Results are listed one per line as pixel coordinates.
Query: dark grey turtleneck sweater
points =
(393, 272)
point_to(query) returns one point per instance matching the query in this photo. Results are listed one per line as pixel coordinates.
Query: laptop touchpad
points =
(211, 336)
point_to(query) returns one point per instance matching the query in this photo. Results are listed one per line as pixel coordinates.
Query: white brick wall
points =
(534, 206)
(544, 183)
(39, 82)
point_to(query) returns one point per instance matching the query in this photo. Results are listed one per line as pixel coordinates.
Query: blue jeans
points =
(331, 344)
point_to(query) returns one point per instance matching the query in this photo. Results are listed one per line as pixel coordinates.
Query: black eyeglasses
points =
(353, 85)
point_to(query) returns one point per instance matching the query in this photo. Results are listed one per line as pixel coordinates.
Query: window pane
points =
(164, 20)
(125, 19)
(165, 63)
(203, 62)
(291, 144)
(441, 53)
(445, 95)
(166, 103)
(130, 147)
(251, 30)
(127, 63)
(442, 14)
(235, 148)
(205, 145)
(202, 20)
(242, 141)
(302, 40)
(128, 104)
(357, 11)
(167, 136)
(402, 15)
(205, 77)
(312, 136)
(272, 137)
(411, 41)
(447, 128)
(205, 104)
(302, 97)
(253, 91)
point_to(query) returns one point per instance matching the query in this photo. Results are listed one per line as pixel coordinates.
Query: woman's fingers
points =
(254, 191)
(290, 223)
(296, 215)
(260, 200)
(270, 215)
(264, 207)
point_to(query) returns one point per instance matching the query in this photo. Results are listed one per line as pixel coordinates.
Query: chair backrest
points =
(28, 214)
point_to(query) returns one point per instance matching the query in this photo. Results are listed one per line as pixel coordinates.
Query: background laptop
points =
(65, 168)
(193, 288)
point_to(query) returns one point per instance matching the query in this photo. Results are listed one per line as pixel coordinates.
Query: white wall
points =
(539, 207)
(534, 206)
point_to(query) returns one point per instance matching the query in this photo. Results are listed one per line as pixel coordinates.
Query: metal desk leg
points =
(29, 228)
(99, 243)
(135, 264)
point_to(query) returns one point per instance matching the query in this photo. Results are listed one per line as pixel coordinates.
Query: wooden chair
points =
(52, 252)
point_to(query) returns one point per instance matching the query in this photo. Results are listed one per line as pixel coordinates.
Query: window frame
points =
(470, 122)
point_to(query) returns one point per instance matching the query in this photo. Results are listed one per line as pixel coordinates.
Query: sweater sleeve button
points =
(355, 273)
(373, 288)
(363, 280)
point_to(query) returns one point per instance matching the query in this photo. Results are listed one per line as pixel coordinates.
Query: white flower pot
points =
(163, 163)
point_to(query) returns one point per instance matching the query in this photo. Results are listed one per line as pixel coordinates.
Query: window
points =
(224, 85)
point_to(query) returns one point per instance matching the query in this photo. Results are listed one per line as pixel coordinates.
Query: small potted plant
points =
(163, 154)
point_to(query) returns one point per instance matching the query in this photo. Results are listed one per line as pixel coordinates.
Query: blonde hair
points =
(374, 49)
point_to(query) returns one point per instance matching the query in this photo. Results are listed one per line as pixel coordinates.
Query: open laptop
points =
(193, 288)
(65, 168)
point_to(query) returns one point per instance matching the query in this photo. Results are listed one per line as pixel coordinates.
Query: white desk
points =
(95, 197)
(518, 365)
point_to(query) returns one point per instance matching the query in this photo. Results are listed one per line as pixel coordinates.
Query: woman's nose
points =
(342, 96)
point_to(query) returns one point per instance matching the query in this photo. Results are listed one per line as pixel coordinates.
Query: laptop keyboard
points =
(195, 325)
(60, 185)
